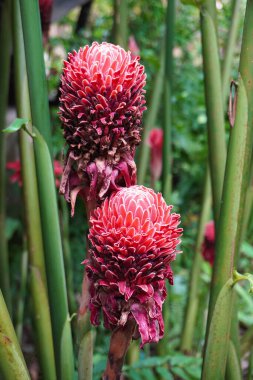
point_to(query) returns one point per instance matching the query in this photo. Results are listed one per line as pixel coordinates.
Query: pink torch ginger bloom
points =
(101, 110)
(133, 238)
(155, 142)
(15, 166)
(208, 247)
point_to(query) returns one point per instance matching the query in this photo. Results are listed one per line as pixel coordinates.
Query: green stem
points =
(5, 43)
(194, 282)
(36, 68)
(120, 23)
(167, 125)
(149, 122)
(47, 195)
(230, 49)
(214, 102)
(22, 292)
(12, 363)
(67, 255)
(32, 210)
(250, 368)
(234, 192)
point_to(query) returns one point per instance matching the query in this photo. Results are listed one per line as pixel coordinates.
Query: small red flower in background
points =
(102, 102)
(133, 238)
(155, 142)
(46, 7)
(133, 47)
(208, 247)
(15, 166)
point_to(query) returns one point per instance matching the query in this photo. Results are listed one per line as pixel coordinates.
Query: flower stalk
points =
(234, 192)
(12, 363)
(47, 195)
(38, 280)
(120, 19)
(5, 43)
(167, 114)
(193, 295)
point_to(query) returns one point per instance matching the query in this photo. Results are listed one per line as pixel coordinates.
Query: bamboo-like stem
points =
(22, 292)
(247, 341)
(12, 363)
(167, 122)
(36, 67)
(67, 255)
(32, 211)
(121, 23)
(47, 195)
(149, 122)
(234, 192)
(194, 282)
(5, 43)
(120, 341)
(214, 103)
(230, 49)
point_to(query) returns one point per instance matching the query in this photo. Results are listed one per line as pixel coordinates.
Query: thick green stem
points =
(47, 194)
(22, 292)
(5, 43)
(230, 49)
(32, 210)
(36, 67)
(214, 103)
(149, 122)
(232, 207)
(250, 368)
(194, 282)
(12, 363)
(121, 23)
(167, 122)
(67, 255)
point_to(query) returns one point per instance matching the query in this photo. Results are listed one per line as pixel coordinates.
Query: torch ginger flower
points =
(102, 102)
(133, 238)
(208, 247)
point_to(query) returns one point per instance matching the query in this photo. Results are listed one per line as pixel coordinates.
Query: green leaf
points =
(195, 3)
(134, 375)
(247, 249)
(181, 373)
(16, 125)
(164, 373)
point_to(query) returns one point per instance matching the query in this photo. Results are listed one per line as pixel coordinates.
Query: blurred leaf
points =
(16, 125)
(164, 373)
(134, 375)
(181, 373)
(12, 225)
(247, 249)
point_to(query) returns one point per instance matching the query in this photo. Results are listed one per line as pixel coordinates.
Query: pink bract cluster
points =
(208, 247)
(102, 102)
(133, 238)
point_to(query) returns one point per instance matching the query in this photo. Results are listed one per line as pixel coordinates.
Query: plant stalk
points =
(12, 363)
(5, 43)
(47, 195)
(121, 23)
(230, 49)
(214, 103)
(194, 282)
(234, 193)
(120, 341)
(32, 210)
(167, 122)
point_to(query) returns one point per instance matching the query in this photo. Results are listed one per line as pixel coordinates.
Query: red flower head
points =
(15, 166)
(208, 247)
(155, 142)
(46, 7)
(133, 238)
(101, 110)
